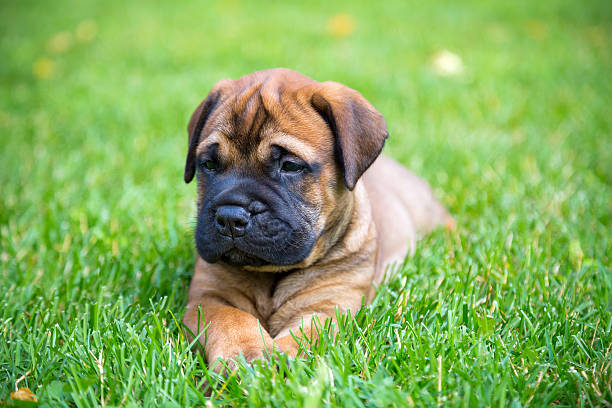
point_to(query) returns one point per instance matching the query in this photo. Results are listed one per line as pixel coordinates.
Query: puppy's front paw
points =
(227, 363)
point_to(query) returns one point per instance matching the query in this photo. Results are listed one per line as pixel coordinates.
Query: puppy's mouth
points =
(237, 257)
(264, 241)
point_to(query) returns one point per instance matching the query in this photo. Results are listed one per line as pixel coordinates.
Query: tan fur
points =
(361, 231)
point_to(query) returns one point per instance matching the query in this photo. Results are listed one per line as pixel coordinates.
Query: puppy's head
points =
(276, 156)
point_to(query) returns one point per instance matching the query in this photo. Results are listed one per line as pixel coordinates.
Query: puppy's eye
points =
(291, 167)
(210, 165)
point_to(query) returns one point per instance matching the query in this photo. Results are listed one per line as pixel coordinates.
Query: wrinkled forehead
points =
(229, 147)
(248, 124)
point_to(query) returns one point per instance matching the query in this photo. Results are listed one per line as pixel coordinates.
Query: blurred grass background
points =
(504, 107)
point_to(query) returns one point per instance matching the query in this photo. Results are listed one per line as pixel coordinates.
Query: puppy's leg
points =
(231, 332)
(223, 299)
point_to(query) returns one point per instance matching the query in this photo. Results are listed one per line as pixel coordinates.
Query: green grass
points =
(512, 309)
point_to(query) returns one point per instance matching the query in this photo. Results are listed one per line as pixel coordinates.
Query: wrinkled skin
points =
(279, 224)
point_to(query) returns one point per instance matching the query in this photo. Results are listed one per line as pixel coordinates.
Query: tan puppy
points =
(290, 224)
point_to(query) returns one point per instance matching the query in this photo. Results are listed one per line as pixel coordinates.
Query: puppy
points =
(297, 213)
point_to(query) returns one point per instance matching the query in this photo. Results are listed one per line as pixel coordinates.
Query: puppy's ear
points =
(358, 128)
(195, 127)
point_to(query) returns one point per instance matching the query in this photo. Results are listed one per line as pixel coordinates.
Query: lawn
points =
(96, 250)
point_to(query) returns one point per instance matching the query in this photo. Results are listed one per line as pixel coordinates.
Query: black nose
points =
(231, 220)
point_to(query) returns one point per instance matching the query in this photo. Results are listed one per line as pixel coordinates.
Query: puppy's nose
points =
(231, 220)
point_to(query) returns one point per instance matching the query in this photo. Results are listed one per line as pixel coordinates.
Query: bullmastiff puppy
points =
(297, 214)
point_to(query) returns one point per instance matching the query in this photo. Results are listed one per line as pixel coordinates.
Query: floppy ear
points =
(358, 128)
(195, 127)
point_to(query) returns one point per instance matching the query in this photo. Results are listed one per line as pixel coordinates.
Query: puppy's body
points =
(290, 223)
